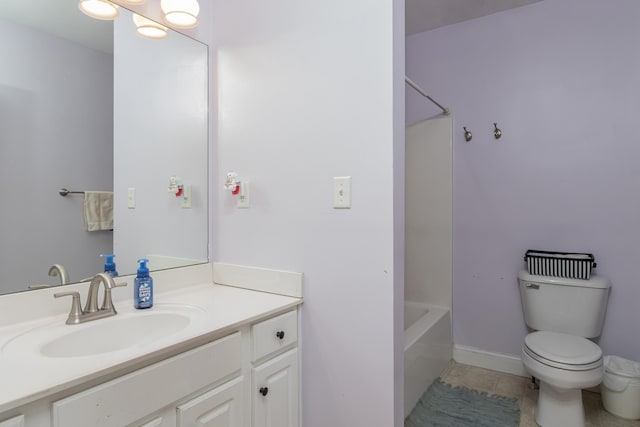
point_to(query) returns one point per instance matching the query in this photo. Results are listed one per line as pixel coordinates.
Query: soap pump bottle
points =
(109, 265)
(143, 286)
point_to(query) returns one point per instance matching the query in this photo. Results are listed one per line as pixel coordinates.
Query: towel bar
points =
(63, 192)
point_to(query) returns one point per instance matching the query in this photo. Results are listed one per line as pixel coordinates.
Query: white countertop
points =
(29, 377)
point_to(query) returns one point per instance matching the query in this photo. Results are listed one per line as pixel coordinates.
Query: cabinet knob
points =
(264, 390)
(280, 334)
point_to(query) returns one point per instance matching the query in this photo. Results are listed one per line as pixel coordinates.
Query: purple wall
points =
(561, 79)
(55, 131)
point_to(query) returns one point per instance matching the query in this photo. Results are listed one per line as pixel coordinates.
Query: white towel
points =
(98, 210)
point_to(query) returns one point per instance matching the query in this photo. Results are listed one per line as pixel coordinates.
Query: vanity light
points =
(99, 9)
(180, 13)
(148, 28)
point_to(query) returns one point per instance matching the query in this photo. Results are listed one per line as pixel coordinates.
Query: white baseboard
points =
(507, 363)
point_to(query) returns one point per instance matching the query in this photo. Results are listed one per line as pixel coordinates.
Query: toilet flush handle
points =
(532, 286)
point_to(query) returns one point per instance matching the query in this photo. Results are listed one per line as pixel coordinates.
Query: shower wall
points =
(428, 212)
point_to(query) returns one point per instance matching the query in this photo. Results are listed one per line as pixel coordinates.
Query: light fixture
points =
(148, 28)
(180, 13)
(133, 2)
(99, 9)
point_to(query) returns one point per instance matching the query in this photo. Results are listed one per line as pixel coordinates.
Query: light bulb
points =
(180, 13)
(148, 28)
(99, 9)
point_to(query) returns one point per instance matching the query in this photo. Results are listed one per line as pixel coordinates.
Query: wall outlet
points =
(131, 198)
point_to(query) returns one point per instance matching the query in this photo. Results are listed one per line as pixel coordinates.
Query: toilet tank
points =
(570, 306)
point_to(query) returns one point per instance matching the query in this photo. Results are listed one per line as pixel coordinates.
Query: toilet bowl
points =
(564, 364)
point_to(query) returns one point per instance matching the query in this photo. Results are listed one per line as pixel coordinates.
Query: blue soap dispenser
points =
(143, 286)
(109, 265)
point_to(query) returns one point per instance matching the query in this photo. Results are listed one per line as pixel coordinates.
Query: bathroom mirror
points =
(99, 108)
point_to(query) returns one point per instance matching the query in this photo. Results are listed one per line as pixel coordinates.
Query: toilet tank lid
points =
(595, 282)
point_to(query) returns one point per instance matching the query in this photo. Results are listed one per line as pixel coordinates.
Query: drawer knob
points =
(264, 390)
(280, 334)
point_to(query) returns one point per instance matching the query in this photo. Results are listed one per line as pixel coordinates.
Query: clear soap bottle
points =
(143, 287)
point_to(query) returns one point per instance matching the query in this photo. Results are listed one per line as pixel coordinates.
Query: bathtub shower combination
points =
(428, 348)
(428, 267)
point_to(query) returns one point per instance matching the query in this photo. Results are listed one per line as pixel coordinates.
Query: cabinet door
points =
(13, 422)
(164, 420)
(220, 407)
(275, 399)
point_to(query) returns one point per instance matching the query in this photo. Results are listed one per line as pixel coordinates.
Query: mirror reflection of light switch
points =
(131, 198)
(243, 197)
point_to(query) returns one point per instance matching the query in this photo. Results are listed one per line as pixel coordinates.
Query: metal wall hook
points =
(497, 133)
(468, 136)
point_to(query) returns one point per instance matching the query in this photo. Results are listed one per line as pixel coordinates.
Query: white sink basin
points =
(111, 334)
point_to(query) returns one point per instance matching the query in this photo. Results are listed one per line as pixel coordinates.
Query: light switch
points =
(342, 192)
(243, 196)
(131, 198)
(186, 197)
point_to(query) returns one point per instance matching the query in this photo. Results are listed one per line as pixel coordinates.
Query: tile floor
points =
(518, 387)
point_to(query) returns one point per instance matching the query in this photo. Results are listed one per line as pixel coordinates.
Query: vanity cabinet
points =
(275, 372)
(247, 378)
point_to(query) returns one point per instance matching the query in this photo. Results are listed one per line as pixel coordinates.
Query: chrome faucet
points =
(59, 270)
(55, 270)
(91, 311)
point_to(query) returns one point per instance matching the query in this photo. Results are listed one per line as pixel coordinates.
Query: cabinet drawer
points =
(131, 397)
(274, 334)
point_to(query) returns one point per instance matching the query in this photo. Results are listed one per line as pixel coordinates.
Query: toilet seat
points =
(563, 351)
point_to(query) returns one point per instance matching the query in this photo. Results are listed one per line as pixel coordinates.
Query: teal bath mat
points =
(443, 405)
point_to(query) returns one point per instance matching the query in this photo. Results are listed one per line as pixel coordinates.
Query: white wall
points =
(160, 130)
(303, 92)
(55, 132)
(429, 216)
(308, 91)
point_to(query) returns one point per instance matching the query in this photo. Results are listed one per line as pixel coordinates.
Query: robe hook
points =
(497, 133)
(468, 136)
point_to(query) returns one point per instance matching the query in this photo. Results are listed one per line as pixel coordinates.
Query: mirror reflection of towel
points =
(98, 210)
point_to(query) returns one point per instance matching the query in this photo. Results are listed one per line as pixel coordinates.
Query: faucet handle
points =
(39, 286)
(76, 311)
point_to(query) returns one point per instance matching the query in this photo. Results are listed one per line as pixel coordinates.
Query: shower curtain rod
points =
(418, 89)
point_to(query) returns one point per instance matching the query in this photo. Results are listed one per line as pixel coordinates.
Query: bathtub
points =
(428, 348)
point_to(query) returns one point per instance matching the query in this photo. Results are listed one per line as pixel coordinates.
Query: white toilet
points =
(564, 313)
